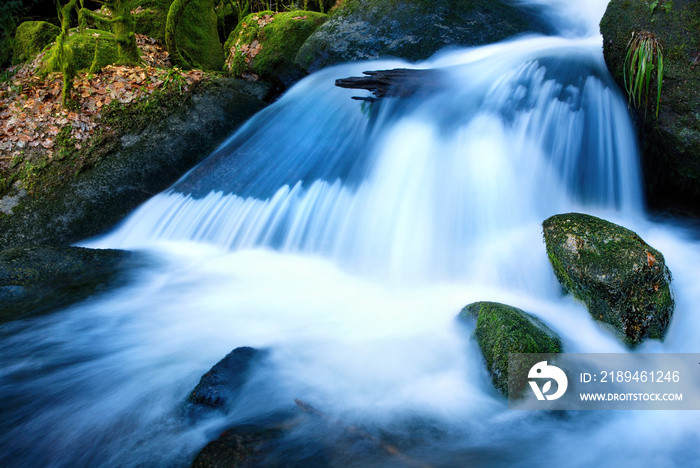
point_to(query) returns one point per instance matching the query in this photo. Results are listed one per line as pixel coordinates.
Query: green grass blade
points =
(660, 80)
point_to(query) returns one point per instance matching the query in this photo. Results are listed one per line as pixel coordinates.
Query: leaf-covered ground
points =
(31, 115)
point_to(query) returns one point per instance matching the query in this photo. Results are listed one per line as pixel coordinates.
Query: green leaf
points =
(660, 79)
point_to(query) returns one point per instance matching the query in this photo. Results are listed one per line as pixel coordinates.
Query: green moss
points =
(150, 23)
(89, 51)
(191, 35)
(502, 329)
(623, 281)
(268, 48)
(31, 38)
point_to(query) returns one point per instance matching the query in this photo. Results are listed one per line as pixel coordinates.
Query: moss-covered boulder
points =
(195, 30)
(158, 141)
(191, 35)
(31, 38)
(90, 50)
(410, 29)
(39, 279)
(670, 144)
(502, 329)
(264, 45)
(623, 281)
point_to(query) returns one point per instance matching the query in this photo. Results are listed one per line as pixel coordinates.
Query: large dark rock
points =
(144, 164)
(220, 386)
(410, 29)
(502, 329)
(39, 279)
(623, 281)
(670, 144)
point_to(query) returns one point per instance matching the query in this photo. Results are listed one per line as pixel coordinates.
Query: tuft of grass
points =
(644, 56)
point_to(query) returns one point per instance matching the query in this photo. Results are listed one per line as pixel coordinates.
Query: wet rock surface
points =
(623, 281)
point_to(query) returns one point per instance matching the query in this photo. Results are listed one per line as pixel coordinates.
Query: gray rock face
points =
(623, 281)
(146, 164)
(410, 29)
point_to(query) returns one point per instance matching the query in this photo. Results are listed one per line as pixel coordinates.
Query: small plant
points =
(644, 55)
(174, 78)
(667, 6)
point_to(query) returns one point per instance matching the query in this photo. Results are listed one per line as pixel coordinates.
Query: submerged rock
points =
(623, 281)
(412, 29)
(220, 386)
(242, 446)
(502, 329)
(670, 144)
(39, 279)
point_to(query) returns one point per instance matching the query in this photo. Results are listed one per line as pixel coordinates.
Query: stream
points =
(345, 237)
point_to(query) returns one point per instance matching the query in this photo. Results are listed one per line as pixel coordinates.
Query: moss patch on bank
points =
(264, 45)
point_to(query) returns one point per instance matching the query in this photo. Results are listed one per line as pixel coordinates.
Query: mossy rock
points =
(90, 50)
(410, 29)
(670, 144)
(266, 44)
(623, 281)
(198, 37)
(502, 329)
(150, 23)
(197, 34)
(38, 279)
(31, 38)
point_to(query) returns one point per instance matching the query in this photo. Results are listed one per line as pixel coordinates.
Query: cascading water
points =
(345, 237)
(412, 187)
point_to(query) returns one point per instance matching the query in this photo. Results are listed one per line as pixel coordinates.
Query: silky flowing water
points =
(345, 237)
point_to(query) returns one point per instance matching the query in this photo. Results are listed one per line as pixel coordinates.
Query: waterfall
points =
(344, 237)
(506, 136)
